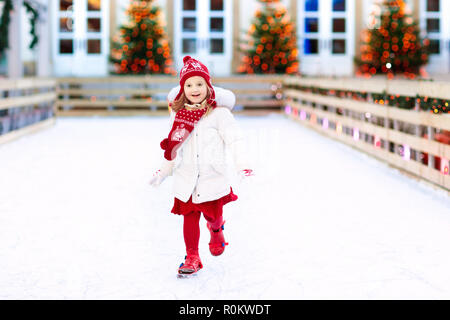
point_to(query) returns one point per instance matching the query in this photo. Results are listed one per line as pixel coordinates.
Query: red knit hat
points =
(191, 68)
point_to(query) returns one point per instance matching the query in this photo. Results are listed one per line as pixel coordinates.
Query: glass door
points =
(437, 29)
(341, 38)
(326, 36)
(81, 38)
(218, 32)
(203, 31)
(64, 36)
(95, 37)
(310, 35)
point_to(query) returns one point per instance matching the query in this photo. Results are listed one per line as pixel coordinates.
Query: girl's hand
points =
(157, 178)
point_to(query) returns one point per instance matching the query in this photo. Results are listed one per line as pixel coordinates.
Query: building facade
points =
(75, 34)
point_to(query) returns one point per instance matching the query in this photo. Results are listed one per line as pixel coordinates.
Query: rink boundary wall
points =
(147, 95)
(402, 138)
(26, 106)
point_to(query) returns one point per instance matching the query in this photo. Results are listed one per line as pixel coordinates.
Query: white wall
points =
(248, 9)
(122, 5)
(3, 65)
(27, 54)
(370, 5)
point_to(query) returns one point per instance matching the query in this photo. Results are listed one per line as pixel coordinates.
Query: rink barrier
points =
(414, 141)
(146, 95)
(27, 105)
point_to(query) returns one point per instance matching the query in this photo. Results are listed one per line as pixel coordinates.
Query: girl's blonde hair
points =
(177, 105)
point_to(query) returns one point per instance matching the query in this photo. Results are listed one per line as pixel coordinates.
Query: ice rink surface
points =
(319, 220)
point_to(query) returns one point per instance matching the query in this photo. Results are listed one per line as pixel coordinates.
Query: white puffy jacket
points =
(200, 167)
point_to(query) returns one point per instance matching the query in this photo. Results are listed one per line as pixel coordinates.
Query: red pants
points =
(191, 230)
(212, 211)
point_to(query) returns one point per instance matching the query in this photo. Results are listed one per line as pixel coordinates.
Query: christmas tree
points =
(394, 46)
(270, 45)
(141, 47)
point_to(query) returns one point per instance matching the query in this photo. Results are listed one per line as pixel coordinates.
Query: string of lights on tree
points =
(142, 47)
(392, 46)
(270, 45)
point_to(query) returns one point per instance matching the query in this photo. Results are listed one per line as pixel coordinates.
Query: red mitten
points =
(245, 173)
(184, 123)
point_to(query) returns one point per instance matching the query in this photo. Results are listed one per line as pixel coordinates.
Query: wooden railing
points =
(26, 105)
(358, 112)
(146, 95)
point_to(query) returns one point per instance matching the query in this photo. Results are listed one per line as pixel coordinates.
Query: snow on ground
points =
(320, 220)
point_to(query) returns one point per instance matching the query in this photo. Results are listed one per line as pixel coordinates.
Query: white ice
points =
(319, 220)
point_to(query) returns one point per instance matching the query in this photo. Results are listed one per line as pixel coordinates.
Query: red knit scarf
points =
(184, 123)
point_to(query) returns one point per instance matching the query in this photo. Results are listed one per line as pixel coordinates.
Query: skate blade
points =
(186, 275)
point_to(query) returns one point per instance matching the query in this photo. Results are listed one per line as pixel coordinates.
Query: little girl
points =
(194, 152)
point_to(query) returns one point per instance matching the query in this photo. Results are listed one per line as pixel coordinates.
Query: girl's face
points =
(195, 89)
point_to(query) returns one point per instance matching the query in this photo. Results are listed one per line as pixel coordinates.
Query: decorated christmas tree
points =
(270, 45)
(141, 47)
(393, 45)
